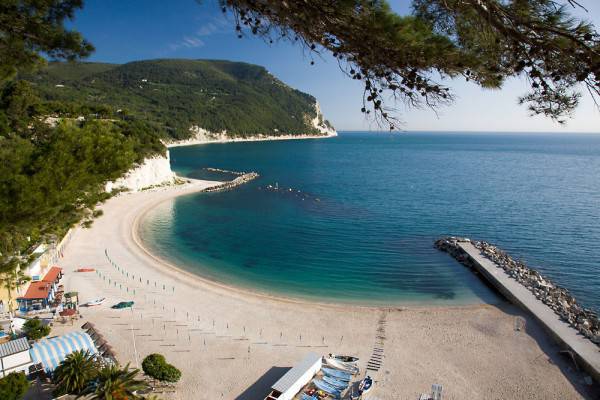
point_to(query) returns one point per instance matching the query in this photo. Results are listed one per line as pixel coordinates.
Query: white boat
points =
(347, 367)
(337, 374)
(95, 302)
(327, 388)
(365, 385)
(345, 359)
(336, 383)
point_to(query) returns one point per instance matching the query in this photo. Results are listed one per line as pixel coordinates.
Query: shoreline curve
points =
(247, 291)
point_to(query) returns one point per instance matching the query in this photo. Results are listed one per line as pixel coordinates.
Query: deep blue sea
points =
(355, 217)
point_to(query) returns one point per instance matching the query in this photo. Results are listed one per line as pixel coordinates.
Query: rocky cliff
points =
(153, 172)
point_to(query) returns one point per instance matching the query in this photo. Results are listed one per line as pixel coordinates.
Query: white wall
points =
(16, 362)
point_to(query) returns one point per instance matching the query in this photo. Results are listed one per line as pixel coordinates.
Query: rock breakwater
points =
(239, 180)
(225, 171)
(554, 296)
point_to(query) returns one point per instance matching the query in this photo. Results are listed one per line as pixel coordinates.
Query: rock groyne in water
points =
(240, 180)
(554, 296)
(224, 171)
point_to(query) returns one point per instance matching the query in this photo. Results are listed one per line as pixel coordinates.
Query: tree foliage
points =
(115, 382)
(402, 58)
(155, 366)
(75, 373)
(11, 278)
(13, 386)
(29, 28)
(53, 176)
(170, 96)
(35, 329)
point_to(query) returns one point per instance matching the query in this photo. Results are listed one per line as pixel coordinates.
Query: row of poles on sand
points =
(180, 335)
(162, 289)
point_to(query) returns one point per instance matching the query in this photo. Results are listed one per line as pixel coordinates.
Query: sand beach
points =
(233, 344)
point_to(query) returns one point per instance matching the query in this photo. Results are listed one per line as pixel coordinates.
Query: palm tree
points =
(115, 383)
(12, 278)
(75, 372)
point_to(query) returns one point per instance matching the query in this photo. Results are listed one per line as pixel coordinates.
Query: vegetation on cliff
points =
(173, 95)
(53, 176)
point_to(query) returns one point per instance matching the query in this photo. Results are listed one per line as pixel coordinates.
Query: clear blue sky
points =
(129, 30)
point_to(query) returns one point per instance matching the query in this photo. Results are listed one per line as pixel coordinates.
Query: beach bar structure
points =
(50, 352)
(40, 294)
(296, 378)
(14, 356)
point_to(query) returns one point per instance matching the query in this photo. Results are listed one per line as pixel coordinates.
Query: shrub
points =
(13, 386)
(34, 329)
(155, 366)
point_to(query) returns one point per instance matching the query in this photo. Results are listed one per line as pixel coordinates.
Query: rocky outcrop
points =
(320, 124)
(554, 296)
(153, 171)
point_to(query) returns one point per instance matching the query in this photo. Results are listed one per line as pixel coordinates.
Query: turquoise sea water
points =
(359, 222)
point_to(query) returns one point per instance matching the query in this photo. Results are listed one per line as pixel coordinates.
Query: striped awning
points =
(51, 352)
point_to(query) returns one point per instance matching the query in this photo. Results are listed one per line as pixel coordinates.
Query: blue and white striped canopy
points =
(50, 352)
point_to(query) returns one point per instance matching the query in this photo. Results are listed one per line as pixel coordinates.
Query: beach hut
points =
(53, 275)
(38, 296)
(296, 378)
(14, 356)
(51, 352)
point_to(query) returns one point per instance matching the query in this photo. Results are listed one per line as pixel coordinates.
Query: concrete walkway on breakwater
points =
(587, 353)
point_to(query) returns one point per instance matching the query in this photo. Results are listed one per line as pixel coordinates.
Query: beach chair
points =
(436, 391)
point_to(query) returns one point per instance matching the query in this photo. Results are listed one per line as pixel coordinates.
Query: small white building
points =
(14, 356)
(296, 378)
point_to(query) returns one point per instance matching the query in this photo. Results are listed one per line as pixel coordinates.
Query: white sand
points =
(473, 351)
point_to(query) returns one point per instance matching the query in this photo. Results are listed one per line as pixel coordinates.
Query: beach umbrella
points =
(105, 346)
(68, 312)
(110, 354)
(88, 325)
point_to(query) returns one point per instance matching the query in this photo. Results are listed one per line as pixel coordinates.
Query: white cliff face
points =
(319, 123)
(152, 172)
(201, 135)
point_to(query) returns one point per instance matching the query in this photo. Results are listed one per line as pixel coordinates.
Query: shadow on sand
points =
(553, 351)
(261, 388)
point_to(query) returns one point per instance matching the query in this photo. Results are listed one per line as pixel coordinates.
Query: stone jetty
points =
(574, 327)
(557, 298)
(225, 171)
(242, 178)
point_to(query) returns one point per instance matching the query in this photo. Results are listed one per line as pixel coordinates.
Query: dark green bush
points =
(155, 366)
(34, 329)
(13, 386)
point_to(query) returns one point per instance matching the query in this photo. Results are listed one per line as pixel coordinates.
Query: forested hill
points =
(174, 95)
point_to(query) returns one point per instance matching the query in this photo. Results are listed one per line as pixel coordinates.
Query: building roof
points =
(51, 352)
(52, 274)
(14, 347)
(37, 290)
(292, 376)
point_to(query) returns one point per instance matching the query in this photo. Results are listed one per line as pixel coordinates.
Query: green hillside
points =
(173, 95)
